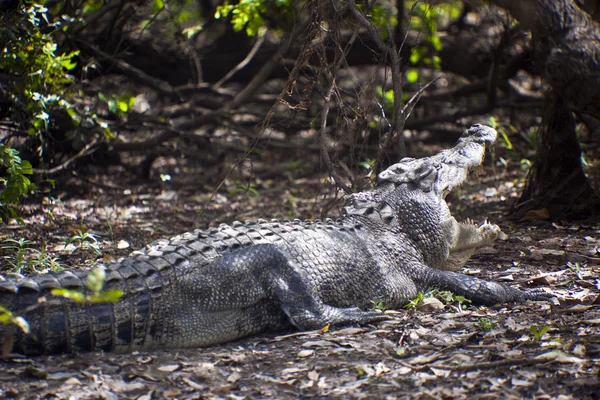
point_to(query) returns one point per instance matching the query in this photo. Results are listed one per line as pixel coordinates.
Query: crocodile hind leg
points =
(303, 306)
(296, 294)
(246, 277)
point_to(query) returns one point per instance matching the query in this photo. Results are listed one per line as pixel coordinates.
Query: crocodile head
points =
(448, 169)
(410, 197)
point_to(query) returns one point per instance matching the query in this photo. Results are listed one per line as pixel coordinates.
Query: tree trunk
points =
(567, 43)
(569, 48)
(556, 182)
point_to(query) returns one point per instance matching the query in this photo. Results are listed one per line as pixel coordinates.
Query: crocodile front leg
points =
(463, 239)
(477, 290)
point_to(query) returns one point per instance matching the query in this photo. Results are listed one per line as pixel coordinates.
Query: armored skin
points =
(212, 286)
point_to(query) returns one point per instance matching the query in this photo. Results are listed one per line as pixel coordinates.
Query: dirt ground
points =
(541, 350)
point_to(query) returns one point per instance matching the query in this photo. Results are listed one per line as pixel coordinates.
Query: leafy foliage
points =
(39, 71)
(445, 296)
(14, 182)
(23, 256)
(83, 241)
(32, 86)
(249, 14)
(426, 18)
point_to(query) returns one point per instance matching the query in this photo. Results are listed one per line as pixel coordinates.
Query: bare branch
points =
(259, 41)
(393, 52)
(324, 153)
(135, 73)
(88, 149)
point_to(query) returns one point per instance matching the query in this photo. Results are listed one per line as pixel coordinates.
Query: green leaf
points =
(26, 167)
(157, 6)
(412, 75)
(109, 296)
(435, 42)
(7, 317)
(67, 61)
(68, 294)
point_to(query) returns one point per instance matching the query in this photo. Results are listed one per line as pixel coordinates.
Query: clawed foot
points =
(306, 320)
(489, 232)
(537, 294)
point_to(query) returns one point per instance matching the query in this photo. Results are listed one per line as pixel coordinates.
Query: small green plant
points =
(95, 285)
(538, 333)
(24, 257)
(84, 241)
(485, 324)
(575, 267)
(43, 261)
(450, 298)
(445, 296)
(245, 188)
(387, 99)
(368, 163)
(18, 251)
(415, 302)
(378, 305)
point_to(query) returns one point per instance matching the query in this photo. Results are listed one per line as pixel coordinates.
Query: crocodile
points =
(212, 286)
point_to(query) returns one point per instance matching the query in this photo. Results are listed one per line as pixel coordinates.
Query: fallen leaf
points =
(348, 331)
(430, 304)
(317, 343)
(403, 370)
(234, 377)
(169, 368)
(287, 372)
(559, 356)
(508, 277)
(305, 353)
(520, 382)
(443, 373)
(194, 385)
(532, 215)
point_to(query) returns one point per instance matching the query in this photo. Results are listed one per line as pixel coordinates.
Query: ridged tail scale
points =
(59, 325)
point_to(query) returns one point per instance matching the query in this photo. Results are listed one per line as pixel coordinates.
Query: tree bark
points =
(567, 43)
(569, 48)
(556, 182)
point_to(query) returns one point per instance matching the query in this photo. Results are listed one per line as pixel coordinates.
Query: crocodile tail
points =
(59, 325)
